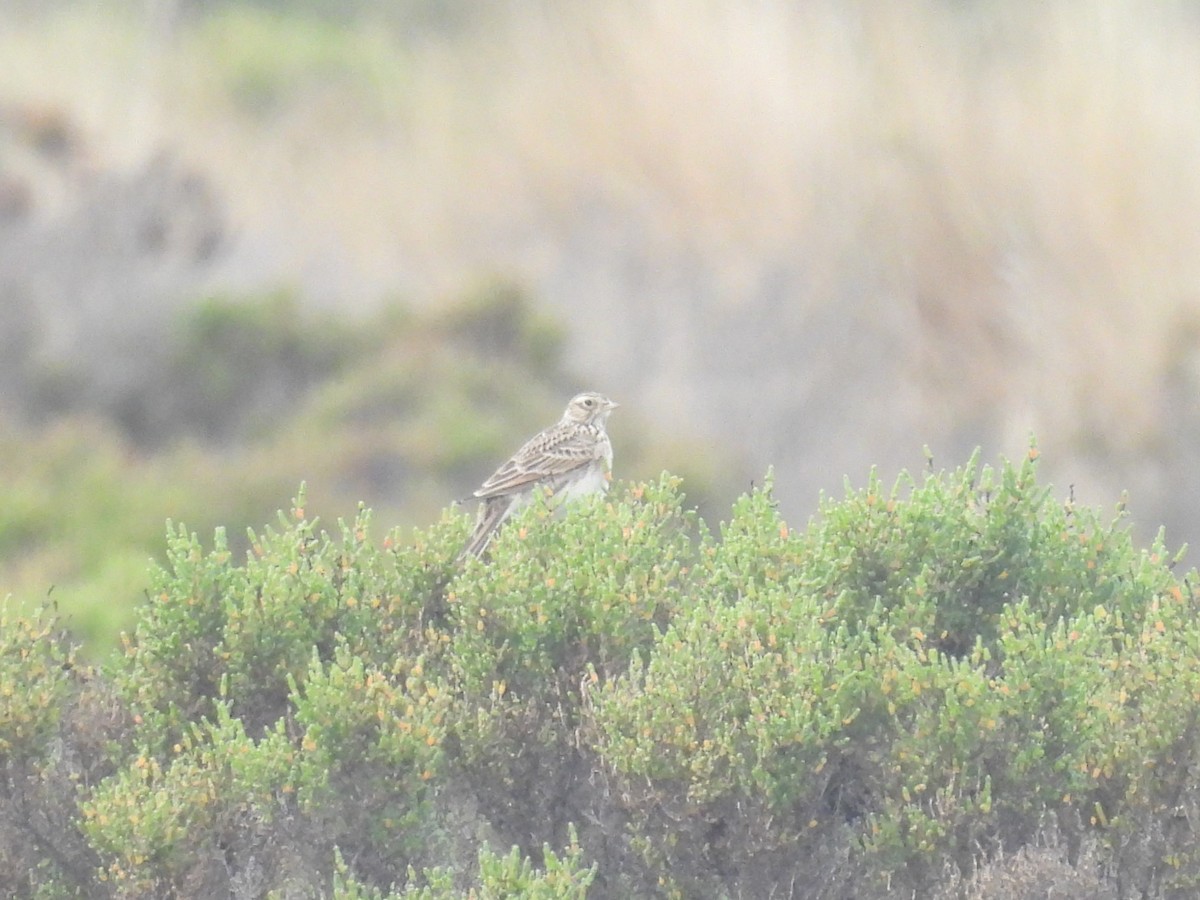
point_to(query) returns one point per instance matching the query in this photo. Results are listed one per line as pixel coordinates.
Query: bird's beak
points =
(612, 404)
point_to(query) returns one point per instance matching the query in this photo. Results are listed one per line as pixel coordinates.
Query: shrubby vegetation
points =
(956, 687)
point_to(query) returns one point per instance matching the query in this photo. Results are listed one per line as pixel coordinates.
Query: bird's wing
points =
(556, 451)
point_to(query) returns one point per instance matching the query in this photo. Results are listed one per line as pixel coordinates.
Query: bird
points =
(570, 459)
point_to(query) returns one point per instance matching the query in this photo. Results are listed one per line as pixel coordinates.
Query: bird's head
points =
(588, 408)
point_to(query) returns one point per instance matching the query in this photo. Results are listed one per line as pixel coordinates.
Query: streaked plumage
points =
(571, 458)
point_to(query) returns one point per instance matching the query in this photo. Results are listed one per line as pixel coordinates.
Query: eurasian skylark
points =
(571, 459)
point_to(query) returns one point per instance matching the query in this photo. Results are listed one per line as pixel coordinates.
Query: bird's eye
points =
(589, 402)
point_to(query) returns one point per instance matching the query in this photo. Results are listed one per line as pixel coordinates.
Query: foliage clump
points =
(953, 684)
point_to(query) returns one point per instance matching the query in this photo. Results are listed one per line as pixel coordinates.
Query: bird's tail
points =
(493, 511)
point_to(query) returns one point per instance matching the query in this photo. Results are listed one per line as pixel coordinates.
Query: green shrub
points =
(952, 684)
(35, 680)
(558, 607)
(162, 823)
(353, 763)
(251, 630)
(930, 672)
(725, 737)
(511, 877)
(535, 621)
(40, 692)
(371, 747)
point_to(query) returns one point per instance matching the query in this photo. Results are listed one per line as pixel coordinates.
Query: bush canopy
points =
(956, 687)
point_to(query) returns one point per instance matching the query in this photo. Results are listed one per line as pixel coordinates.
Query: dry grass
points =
(857, 225)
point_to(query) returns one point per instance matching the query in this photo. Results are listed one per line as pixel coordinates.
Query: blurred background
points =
(373, 246)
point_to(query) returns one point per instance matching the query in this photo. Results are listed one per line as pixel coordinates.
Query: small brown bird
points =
(572, 458)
